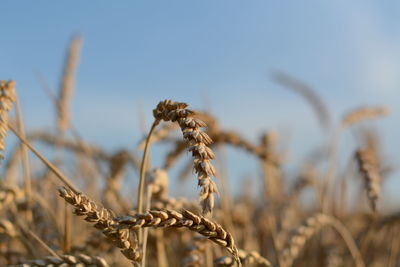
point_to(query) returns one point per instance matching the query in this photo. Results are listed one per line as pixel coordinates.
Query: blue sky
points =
(211, 54)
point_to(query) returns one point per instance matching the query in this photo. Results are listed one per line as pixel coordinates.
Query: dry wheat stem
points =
(143, 167)
(160, 134)
(103, 220)
(186, 219)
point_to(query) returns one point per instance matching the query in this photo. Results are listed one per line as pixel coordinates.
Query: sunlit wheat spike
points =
(199, 142)
(185, 219)
(102, 220)
(7, 99)
(66, 260)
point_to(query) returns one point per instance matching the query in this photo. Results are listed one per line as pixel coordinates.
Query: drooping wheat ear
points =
(66, 260)
(312, 226)
(169, 110)
(363, 113)
(7, 99)
(195, 255)
(103, 220)
(186, 219)
(308, 93)
(67, 83)
(368, 165)
(251, 257)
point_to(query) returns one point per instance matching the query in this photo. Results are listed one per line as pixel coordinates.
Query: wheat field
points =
(49, 218)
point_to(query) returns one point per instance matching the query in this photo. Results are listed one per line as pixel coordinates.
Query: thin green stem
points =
(143, 167)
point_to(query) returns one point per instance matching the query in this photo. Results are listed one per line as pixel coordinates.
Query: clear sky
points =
(212, 54)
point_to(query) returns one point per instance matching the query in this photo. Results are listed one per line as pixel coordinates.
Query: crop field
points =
(63, 200)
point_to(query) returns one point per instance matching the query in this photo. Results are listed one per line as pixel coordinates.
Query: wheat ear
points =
(363, 113)
(7, 99)
(103, 220)
(169, 110)
(66, 260)
(369, 169)
(186, 219)
(312, 226)
(67, 83)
